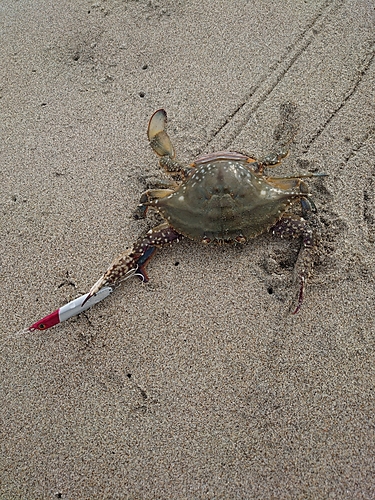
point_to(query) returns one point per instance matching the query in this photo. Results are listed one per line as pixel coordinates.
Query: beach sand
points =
(199, 384)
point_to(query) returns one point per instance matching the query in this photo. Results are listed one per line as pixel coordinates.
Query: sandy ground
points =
(199, 384)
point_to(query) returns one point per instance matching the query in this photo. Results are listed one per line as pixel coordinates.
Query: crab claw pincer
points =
(133, 262)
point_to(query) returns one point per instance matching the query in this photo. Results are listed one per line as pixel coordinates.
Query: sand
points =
(199, 384)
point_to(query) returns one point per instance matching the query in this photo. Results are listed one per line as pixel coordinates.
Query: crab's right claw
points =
(158, 137)
(133, 262)
(122, 267)
(95, 289)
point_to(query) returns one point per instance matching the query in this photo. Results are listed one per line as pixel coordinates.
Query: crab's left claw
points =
(301, 295)
(157, 135)
(308, 231)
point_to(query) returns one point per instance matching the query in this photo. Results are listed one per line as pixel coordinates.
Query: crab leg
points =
(150, 195)
(158, 137)
(161, 143)
(299, 227)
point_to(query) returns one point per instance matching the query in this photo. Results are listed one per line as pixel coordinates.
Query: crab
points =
(223, 197)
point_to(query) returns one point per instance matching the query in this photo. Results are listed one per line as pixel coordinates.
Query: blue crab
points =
(222, 197)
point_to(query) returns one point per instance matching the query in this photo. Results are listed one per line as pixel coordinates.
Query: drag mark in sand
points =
(238, 119)
(361, 73)
(369, 190)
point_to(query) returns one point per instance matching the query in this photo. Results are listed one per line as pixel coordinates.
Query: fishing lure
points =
(72, 308)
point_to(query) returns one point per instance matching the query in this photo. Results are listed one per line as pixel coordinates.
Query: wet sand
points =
(199, 384)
